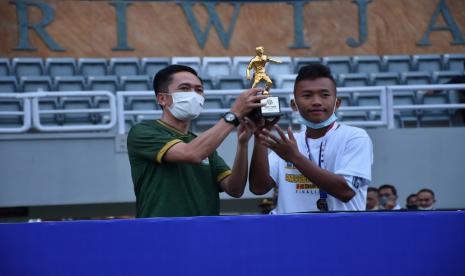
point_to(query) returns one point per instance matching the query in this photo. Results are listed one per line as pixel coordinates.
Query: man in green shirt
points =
(176, 173)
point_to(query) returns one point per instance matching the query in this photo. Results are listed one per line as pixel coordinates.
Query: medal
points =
(322, 205)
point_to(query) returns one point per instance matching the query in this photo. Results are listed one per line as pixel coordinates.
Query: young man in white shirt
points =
(326, 166)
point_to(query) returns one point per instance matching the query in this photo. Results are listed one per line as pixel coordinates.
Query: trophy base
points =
(272, 108)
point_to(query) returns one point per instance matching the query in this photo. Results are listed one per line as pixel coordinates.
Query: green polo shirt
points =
(165, 189)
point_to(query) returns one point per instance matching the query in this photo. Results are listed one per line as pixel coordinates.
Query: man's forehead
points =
(185, 77)
(315, 85)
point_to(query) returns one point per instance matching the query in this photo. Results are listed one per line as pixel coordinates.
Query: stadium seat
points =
(366, 98)
(240, 64)
(8, 84)
(209, 83)
(36, 83)
(397, 63)
(427, 63)
(346, 99)
(193, 62)
(339, 64)
(384, 79)
(285, 67)
(231, 83)
(64, 66)
(353, 79)
(70, 83)
(106, 83)
(285, 81)
(444, 76)
(151, 65)
(299, 62)
(216, 66)
(124, 66)
(92, 67)
(367, 64)
(454, 62)
(411, 78)
(4, 67)
(24, 66)
(136, 83)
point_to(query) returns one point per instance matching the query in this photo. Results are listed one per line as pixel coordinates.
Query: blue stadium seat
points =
(286, 67)
(24, 66)
(8, 84)
(209, 83)
(70, 83)
(136, 83)
(367, 64)
(397, 63)
(346, 99)
(36, 83)
(5, 67)
(354, 79)
(454, 62)
(427, 63)
(366, 98)
(231, 83)
(444, 76)
(151, 65)
(410, 78)
(216, 66)
(285, 81)
(64, 66)
(193, 62)
(93, 67)
(106, 83)
(299, 62)
(384, 79)
(124, 66)
(240, 64)
(339, 64)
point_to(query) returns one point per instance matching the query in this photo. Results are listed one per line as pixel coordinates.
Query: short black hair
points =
(163, 78)
(314, 71)
(426, 191)
(388, 186)
(410, 196)
(372, 189)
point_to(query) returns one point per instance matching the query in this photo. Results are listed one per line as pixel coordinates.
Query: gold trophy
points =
(272, 107)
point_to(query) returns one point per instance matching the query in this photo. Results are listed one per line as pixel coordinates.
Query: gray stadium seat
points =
(231, 83)
(338, 64)
(299, 62)
(107, 83)
(193, 62)
(24, 66)
(151, 65)
(5, 67)
(285, 67)
(136, 83)
(427, 63)
(208, 83)
(366, 98)
(444, 76)
(367, 64)
(454, 62)
(36, 83)
(354, 79)
(93, 67)
(397, 63)
(216, 66)
(285, 81)
(410, 78)
(65, 66)
(70, 83)
(384, 79)
(124, 66)
(8, 84)
(240, 64)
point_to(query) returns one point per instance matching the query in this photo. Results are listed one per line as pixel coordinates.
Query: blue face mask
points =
(323, 124)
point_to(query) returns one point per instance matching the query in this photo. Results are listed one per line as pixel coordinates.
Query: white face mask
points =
(186, 106)
(426, 208)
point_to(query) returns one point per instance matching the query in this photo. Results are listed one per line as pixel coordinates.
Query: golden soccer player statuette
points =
(272, 107)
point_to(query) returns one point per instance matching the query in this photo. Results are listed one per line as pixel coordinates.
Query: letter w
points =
(213, 19)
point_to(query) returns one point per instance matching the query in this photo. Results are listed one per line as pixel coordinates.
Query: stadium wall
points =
(50, 28)
(61, 169)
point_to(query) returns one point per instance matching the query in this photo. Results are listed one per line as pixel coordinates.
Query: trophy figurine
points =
(272, 107)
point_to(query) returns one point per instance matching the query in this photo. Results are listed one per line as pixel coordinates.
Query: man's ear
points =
(293, 105)
(162, 99)
(338, 103)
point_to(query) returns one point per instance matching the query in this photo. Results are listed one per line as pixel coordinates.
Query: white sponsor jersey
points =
(344, 150)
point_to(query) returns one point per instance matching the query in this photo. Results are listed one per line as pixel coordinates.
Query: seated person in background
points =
(388, 197)
(175, 172)
(372, 199)
(266, 206)
(327, 166)
(426, 199)
(412, 202)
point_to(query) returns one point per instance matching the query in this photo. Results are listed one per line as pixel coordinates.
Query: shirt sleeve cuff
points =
(165, 148)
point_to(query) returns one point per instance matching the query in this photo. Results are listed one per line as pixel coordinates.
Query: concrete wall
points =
(63, 169)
